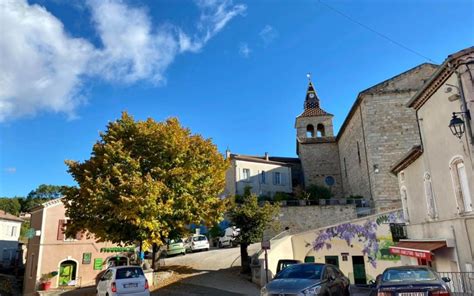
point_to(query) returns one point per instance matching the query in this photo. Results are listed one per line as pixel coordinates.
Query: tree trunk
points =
(155, 257)
(244, 258)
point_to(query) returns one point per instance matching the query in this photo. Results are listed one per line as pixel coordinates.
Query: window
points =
(321, 132)
(398, 231)
(14, 231)
(277, 178)
(430, 199)
(345, 167)
(358, 151)
(310, 131)
(246, 174)
(404, 195)
(461, 186)
(262, 177)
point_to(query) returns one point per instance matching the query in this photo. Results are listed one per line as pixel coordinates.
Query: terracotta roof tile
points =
(7, 216)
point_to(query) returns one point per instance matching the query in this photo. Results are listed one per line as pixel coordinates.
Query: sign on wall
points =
(86, 258)
(98, 263)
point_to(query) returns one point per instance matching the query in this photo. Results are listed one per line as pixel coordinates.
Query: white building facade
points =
(10, 227)
(437, 178)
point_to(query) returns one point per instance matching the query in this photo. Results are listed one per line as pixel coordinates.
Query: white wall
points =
(258, 187)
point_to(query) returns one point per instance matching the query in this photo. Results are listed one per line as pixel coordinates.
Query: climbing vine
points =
(362, 233)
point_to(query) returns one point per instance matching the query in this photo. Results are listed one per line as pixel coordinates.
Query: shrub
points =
(279, 196)
(318, 192)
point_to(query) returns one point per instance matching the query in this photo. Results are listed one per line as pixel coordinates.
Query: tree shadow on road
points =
(222, 282)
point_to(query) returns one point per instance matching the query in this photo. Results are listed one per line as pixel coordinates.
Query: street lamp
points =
(456, 125)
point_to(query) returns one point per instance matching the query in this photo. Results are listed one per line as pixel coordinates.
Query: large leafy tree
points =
(10, 205)
(41, 194)
(146, 181)
(252, 218)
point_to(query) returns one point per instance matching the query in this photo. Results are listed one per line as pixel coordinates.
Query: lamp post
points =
(457, 125)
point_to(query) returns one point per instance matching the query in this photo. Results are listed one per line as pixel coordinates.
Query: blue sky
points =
(234, 71)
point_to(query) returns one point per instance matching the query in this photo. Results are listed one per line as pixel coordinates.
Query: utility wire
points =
(376, 32)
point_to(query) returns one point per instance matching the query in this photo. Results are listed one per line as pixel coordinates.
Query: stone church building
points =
(378, 131)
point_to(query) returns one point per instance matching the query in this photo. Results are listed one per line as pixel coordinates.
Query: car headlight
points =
(312, 291)
(263, 292)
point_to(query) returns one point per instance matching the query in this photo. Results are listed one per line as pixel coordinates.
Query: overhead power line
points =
(376, 32)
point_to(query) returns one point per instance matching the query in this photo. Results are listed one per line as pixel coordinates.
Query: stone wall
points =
(320, 160)
(353, 159)
(303, 218)
(382, 124)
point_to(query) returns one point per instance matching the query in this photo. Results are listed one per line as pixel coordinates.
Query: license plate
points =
(411, 294)
(132, 285)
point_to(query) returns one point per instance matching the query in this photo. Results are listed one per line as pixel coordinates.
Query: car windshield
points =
(398, 275)
(129, 273)
(175, 241)
(301, 271)
(199, 238)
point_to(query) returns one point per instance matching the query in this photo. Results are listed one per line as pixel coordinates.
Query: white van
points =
(228, 239)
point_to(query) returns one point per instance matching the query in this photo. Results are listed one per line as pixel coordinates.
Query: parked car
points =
(315, 279)
(228, 239)
(197, 242)
(410, 280)
(123, 280)
(175, 246)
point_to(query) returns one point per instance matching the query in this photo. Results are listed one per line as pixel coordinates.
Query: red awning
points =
(418, 249)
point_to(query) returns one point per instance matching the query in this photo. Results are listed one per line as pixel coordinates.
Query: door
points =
(358, 266)
(67, 273)
(334, 260)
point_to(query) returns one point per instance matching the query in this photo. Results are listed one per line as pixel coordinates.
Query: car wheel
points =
(207, 249)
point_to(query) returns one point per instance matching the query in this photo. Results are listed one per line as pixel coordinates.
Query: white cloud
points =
(268, 34)
(244, 50)
(42, 68)
(40, 65)
(10, 170)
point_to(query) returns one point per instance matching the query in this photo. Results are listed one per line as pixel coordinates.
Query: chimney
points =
(266, 156)
(227, 153)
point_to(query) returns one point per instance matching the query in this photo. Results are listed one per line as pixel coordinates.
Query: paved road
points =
(215, 272)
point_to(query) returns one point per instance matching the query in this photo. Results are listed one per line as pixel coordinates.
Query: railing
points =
(461, 284)
(359, 203)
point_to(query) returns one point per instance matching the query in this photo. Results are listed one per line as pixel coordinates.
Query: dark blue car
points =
(410, 281)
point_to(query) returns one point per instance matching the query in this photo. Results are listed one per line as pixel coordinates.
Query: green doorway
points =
(67, 273)
(334, 260)
(358, 266)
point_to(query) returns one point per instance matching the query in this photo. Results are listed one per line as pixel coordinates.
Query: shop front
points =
(421, 252)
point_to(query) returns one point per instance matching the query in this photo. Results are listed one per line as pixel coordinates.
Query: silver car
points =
(308, 279)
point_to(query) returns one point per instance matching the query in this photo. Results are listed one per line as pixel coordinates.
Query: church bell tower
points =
(316, 145)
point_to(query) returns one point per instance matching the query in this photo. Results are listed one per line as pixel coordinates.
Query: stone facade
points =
(377, 132)
(303, 218)
(316, 145)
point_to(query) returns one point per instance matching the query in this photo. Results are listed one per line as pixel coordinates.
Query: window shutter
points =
(61, 225)
(283, 179)
(274, 178)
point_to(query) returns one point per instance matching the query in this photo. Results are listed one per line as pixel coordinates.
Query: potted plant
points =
(45, 280)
